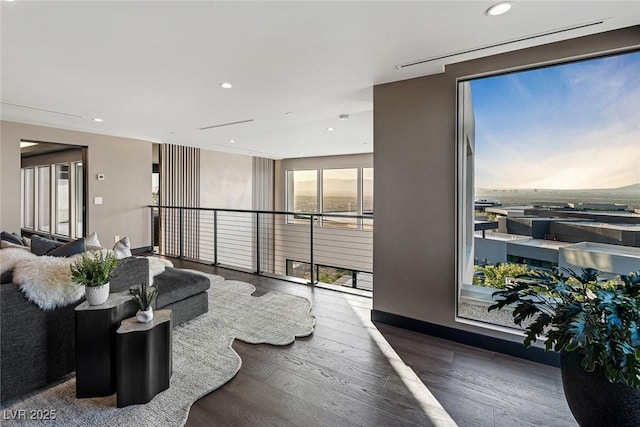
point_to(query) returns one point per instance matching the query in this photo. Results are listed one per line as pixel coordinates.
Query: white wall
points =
(126, 191)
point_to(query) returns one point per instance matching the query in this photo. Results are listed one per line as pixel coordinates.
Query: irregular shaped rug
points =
(203, 359)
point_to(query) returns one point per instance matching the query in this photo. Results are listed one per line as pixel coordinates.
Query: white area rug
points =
(203, 359)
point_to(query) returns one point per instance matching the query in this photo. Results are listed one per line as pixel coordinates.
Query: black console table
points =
(96, 327)
(144, 358)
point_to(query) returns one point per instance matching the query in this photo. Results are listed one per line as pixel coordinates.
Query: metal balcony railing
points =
(334, 249)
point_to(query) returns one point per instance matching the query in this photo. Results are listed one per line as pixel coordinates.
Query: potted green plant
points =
(94, 271)
(595, 325)
(144, 297)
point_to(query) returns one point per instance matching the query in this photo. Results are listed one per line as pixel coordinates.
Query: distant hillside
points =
(632, 187)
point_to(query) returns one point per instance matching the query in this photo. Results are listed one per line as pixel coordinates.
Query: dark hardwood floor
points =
(351, 372)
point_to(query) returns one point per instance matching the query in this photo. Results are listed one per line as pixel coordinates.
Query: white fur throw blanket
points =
(46, 280)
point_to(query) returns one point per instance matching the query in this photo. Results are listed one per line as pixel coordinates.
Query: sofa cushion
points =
(12, 238)
(175, 284)
(42, 245)
(68, 249)
(129, 272)
(7, 277)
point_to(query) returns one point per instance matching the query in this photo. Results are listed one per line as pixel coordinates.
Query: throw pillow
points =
(68, 249)
(122, 248)
(42, 245)
(92, 241)
(7, 244)
(12, 238)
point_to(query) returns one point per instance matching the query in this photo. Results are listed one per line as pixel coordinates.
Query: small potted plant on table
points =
(144, 297)
(595, 325)
(94, 273)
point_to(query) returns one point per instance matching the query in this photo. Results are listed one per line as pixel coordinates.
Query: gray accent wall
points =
(126, 190)
(415, 173)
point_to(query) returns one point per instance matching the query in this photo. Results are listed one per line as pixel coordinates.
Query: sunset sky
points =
(573, 126)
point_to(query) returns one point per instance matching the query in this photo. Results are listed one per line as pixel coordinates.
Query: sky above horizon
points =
(572, 126)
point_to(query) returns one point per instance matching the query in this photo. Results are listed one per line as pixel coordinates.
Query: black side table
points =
(96, 344)
(144, 358)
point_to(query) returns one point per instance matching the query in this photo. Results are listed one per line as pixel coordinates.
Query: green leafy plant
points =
(144, 296)
(94, 270)
(579, 313)
(495, 276)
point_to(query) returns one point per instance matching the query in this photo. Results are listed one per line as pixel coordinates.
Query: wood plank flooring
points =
(352, 372)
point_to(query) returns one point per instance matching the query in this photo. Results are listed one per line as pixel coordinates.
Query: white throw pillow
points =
(122, 248)
(92, 241)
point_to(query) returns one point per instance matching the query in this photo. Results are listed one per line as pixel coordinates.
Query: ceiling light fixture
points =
(288, 113)
(97, 119)
(226, 85)
(231, 141)
(330, 129)
(499, 9)
(343, 117)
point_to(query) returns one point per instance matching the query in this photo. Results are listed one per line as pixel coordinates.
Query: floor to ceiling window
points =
(547, 174)
(52, 189)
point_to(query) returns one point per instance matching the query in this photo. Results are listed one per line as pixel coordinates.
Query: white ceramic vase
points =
(96, 295)
(145, 316)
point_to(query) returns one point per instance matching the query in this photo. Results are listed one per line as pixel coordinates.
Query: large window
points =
(44, 198)
(63, 199)
(367, 197)
(340, 196)
(28, 197)
(547, 174)
(302, 191)
(53, 194)
(78, 200)
(342, 193)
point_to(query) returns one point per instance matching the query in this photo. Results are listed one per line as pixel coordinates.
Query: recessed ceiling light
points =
(499, 9)
(343, 117)
(232, 141)
(330, 129)
(97, 119)
(226, 85)
(288, 113)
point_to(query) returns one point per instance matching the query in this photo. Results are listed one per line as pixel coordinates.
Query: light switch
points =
(100, 177)
(97, 200)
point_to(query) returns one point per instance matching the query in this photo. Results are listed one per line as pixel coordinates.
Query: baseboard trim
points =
(510, 348)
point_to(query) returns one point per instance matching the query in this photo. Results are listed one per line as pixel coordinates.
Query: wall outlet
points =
(116, 239)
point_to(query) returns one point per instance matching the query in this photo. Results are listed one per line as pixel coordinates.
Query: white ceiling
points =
(152, 69)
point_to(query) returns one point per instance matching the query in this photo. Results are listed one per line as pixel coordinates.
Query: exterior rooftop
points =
(602, 248)
(623, 227)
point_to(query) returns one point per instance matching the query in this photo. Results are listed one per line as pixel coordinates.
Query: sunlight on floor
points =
(427, 401)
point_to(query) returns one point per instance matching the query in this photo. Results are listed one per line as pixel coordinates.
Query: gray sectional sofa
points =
(38, 347)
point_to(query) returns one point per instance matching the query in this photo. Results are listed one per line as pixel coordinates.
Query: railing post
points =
(258, 243)
(215, 237)
(180, 233)
(313, 278)
(153, 231)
